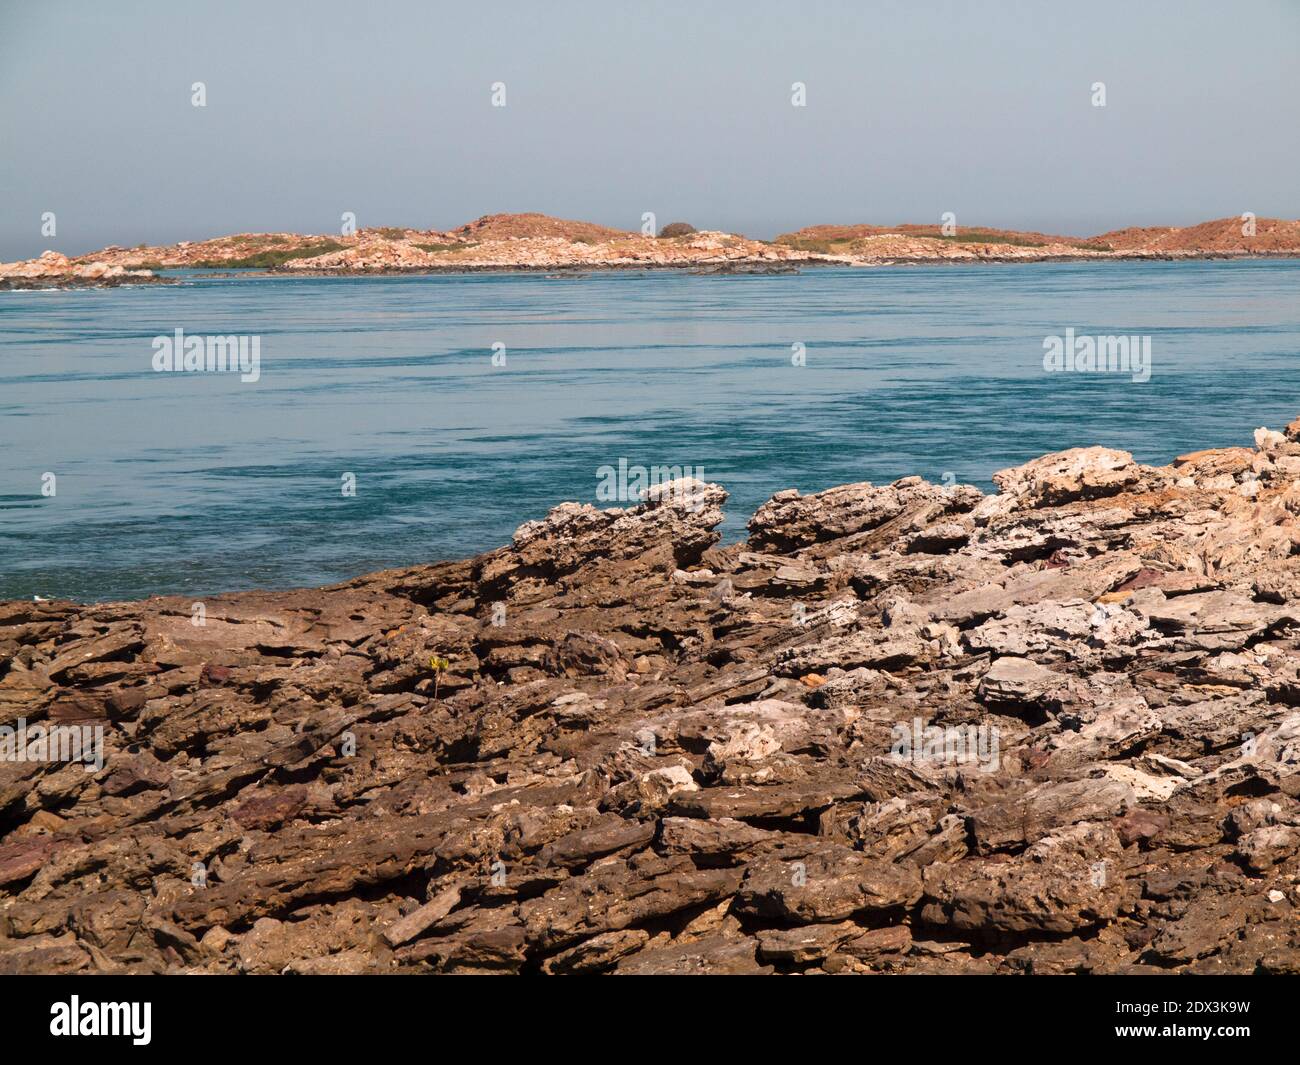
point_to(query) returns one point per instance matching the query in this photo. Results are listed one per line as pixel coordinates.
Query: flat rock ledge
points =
(908, 728)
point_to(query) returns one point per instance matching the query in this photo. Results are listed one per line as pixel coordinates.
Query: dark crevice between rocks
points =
(997, 942)
(288, 652)
(1253, 787)
(807, 823)
(870, 920)
(673, 923)
(1037, 552)
(499, 590)
(16, 887)
(287, 776)
(409, 885)
(461, 754)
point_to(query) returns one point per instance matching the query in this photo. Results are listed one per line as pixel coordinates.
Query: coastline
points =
(709, 269)
(58, 282)
(1051, 729)
(724, 268)
(529, 243)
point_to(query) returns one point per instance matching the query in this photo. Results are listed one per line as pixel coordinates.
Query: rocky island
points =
(539, 242)
(908, 728)
(52, 270)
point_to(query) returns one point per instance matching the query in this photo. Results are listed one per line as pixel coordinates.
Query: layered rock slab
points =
(903, 728)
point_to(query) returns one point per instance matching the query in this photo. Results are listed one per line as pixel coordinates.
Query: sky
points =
(613, 109)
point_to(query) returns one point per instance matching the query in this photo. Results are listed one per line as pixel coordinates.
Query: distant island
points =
(540, 242)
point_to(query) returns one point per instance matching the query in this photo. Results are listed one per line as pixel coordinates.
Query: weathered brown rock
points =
(906, 728)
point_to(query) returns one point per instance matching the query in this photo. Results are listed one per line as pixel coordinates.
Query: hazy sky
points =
(615, 108)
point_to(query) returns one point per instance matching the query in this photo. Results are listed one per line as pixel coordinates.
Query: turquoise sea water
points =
(198, 483)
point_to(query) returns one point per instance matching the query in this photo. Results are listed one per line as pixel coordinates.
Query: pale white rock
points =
(1268, 439)
(1144, 785)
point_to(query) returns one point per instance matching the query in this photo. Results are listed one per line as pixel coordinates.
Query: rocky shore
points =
(908, 728)
(536, 242)
(53, 270)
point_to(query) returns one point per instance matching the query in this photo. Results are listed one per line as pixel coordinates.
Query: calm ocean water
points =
(198, 483)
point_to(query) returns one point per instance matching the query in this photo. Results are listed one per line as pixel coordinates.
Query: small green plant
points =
(815, 245)
(439, 667)
(459, 245)
(272, 258)
(980, 236)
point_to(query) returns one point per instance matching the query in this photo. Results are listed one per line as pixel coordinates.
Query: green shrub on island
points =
(457, 245)
(676, 229)
(979, 236)
(270, 259)
(815, 245)
(818, 246)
